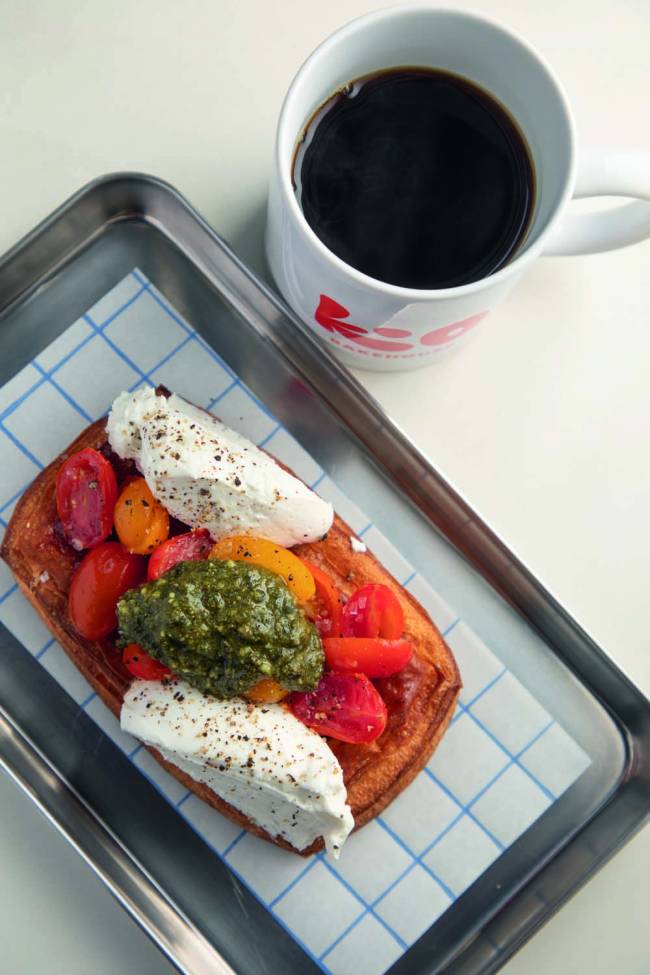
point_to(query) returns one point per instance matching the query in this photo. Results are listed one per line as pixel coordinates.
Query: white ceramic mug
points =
(375, 325)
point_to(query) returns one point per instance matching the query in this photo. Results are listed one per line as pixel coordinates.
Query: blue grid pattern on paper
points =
(372, 881)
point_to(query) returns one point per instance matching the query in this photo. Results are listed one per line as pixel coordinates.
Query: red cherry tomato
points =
(86, 492)
(373, 657)
(373, 610)
(325, 608)
(344, 706)
(101, 578)
(141, 665)
(189, 547)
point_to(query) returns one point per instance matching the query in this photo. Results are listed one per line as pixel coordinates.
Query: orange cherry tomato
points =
(325, 608)
(372, 656)
(141, 522)
(141, 665)
(268, 555)
(266, 691)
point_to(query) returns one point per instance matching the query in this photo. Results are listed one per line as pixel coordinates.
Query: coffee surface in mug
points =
(417, 177)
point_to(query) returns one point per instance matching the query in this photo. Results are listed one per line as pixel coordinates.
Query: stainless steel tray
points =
(71, 770)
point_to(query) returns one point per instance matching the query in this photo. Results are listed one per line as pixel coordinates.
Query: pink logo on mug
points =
(449, 333)
(331, 316)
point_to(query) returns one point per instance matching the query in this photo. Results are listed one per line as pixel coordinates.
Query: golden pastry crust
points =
(420, 699)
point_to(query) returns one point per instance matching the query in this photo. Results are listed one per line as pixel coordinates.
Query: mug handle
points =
(606, 172)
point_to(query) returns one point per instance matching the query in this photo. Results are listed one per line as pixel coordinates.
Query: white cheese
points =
(357, 545)
(209, 476)
(259, 758)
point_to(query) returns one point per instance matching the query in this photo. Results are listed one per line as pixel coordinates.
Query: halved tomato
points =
(266, 691)
(141, 665)
(373, 610)
(268, 555)
(86, 492)
(100, 580)
(325, 608)
(141, 522)
(344, 706)
(374, 657)
(189, 547)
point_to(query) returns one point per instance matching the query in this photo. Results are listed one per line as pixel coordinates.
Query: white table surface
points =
(543, 423)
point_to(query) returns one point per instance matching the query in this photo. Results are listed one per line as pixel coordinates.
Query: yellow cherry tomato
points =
(266, 691)
(141, 522)
(268, 555)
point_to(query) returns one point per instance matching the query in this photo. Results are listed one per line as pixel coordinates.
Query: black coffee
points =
(416, 177)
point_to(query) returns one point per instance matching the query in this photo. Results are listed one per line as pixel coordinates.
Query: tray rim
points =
(100, 848)
(33, 261)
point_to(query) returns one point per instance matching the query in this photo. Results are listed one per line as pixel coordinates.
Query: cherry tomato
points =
(373, 610)
(268, 555)
(141, 665)
(100, 580)
(86, 492)
(190, 547)
(325, 608)
(374, 657)
(266, 691)
(344, 706)
(141, 522)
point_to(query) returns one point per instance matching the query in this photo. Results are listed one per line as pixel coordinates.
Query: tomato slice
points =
(268, 555)
(141, 522)
(325, 608)
(344, 706)
(190, 547)
(373, 610)
(141, 665)
(100, 580)
(374, 657)
(266, 691)
(86, 492)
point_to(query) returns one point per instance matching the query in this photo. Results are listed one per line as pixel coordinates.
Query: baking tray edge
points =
(137, 197)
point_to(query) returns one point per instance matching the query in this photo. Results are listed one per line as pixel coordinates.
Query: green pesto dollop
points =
(222, 626)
